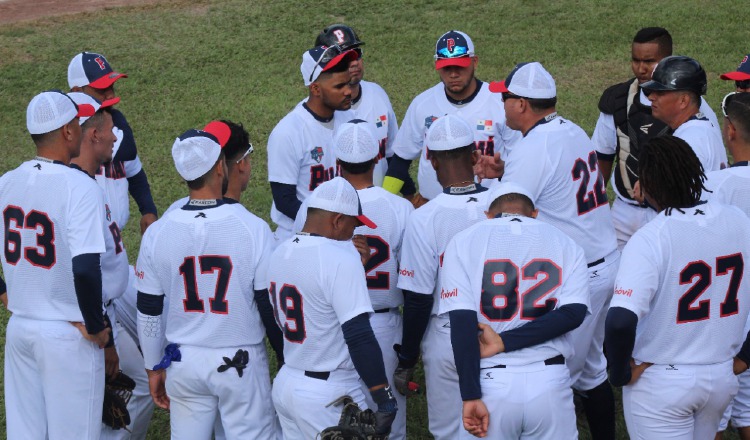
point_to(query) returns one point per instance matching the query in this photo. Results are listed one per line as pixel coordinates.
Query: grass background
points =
(193, 61)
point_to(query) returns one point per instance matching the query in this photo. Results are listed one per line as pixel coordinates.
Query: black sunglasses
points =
(330, 53)
(744, 84)
(507, 95)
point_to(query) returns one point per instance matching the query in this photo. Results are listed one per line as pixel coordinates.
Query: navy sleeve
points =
(548, 326)
(605, 157)
(619, 339)
(744, 354)
(417, 311)
(3, 287)
(275, 338)
(466, 352)
(127, 150)
(409, 187)
(87, 279)
(285, 198)
(141, 193)
(364, 350)
(152, 305)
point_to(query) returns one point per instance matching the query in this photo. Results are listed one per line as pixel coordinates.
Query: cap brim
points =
(348, 56)
(366, 221)
(220, 130)
(110, 102)
(107, 80)
(654, 85)
(498, 87)
(459, 61)
(86, 110)
(735, 76)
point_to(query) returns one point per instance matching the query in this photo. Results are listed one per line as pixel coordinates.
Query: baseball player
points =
(674, 91)
(676, 321)
(320, 297)
(91, 73)
(299, 148)
(356, 148)
(430, 228)
(625, 124)
(53, 235)
(741, 76)
(556, 162)
(213, 327)
(458, 93)
(527, 281)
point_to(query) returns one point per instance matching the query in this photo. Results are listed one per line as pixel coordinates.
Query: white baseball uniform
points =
(680, 275)
(483, 111)
(317, 284)
(557, 164)
(428, 232)
(212, 315)
(300, 153)
(390, 213)
(705, 139)
(510, 271)
(54, 378)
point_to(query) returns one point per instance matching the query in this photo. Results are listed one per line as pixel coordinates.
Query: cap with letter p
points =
(195, 152)
(338, 195)
(527, 80)
(742, 73)
(355, 142)
(91, 69)
(453, 48)
(505, 188)
(49, 111)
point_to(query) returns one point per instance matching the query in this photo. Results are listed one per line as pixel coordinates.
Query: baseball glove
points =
(117, 393)
(354, 423)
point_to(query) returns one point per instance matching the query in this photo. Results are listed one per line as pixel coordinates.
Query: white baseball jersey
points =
(730, 186)
(317, 284)
(485, 112)
(705, 139)
(557, 164)
(373, 106)
(300, 153)
(391, 213)
(681, 274)
(512, 270)
(114, 261)
(51, 214)
(430, 229)
(192, 256)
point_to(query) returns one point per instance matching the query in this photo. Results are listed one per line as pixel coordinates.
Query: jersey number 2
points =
(209, 264)
(687, 310)
(500, 296)
(589, 200)
(43, 254)
(378, 280)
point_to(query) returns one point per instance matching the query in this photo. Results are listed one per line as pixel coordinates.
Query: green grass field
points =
(193, 61)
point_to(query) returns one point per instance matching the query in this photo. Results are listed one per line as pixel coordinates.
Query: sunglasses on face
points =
(507, 95)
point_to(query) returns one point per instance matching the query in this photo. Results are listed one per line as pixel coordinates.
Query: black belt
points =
(557, 360)
(386, 310)
(322, 375)
(595, 263)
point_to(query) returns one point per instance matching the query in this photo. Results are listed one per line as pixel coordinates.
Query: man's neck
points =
(740, 151)
(682, 117)
(358, 181)
(206, 193)
(320, 109)
(86, 162)
(234, 191)
(535, 119)
(356, 91)
(465, 94)
(54, 153)
(454, 178)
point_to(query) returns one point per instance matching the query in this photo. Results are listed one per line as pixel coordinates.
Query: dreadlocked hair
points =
(670, 172)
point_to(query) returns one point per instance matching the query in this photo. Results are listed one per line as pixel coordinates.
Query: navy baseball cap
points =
(91, 69)
(453, 48)
(742, 73)
(322, 58)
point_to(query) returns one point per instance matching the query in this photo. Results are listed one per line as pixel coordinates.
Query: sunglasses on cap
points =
(250, 149)
(744, 84)
(330, 53)
(725, 102)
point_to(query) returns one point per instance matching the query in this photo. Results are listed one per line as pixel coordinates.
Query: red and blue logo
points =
(317, 154)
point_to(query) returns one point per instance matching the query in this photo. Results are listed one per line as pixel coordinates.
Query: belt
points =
(386, 310)
(596, 263)
(322, 375)
(557, 360)
(108, 303)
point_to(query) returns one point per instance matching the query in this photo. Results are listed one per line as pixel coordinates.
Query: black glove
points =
(404, 375)
(387, 409)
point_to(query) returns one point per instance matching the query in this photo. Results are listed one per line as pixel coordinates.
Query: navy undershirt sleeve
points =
(744, 353)
(3, 287)
(141, 193)
(466, 352)
(409, 187)
(417, 311)
(548, 326)
(152, 305)
(87, 279)
(275, 338)
(364, 350)
(285, 198)
(605, 157)
(619, 339)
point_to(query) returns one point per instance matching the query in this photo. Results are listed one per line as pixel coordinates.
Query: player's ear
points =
(434, 162)
(534, 213)
(488, 214)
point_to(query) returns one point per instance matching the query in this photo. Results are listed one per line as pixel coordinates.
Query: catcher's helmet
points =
(340, 34)
(678, 73)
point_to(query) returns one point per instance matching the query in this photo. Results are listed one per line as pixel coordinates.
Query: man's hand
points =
(739, 366)
(489, 167)
(637, 370)
(111, 362)
(360, 242)
(416, 200)
(490, 343)
(476, 418)
(146, 221)
(156, 386)
(99, 339)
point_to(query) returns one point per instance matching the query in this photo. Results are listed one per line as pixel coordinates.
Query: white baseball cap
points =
(195, 152)
(49, 111)
(355, 142)
(504, 188)
(527, 80)
(91, 69)
(322, 58)
(338, 195)
(449, 132)
(88, 105)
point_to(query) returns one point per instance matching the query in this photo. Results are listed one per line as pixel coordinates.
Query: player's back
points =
(730, 186)
(47, 221)
(207, 277)
(557, 163)
(705, 140)
(698, 256)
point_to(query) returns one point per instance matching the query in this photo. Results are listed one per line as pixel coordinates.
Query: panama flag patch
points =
(381, 121)
(484, 125)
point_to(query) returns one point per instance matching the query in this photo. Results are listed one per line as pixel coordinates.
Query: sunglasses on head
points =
(725, 102)
(250, 149)
(328, 54)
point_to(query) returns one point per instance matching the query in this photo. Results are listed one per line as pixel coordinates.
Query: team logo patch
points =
(317, 154)
(429, 120)
(484, 125)
(381, 121)
(108, 212)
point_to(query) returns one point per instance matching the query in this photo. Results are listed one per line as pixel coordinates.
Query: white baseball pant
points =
(444, 404)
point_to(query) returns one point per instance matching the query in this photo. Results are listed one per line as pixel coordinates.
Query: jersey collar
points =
(359, 97)
(473, 188)
(549, 118)
(315, 115)
(744, 163)
(75, 167)
(468, 99)
(44, 159)
(201, 204)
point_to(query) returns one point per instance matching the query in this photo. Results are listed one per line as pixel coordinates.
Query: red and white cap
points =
(322, 58)
(49, 111)
(91, 69)
(338, 195)
(88, 105)
(453, 48)
(527, 80)
(742, 73)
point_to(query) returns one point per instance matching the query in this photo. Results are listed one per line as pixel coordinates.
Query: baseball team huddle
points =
(503, 269)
